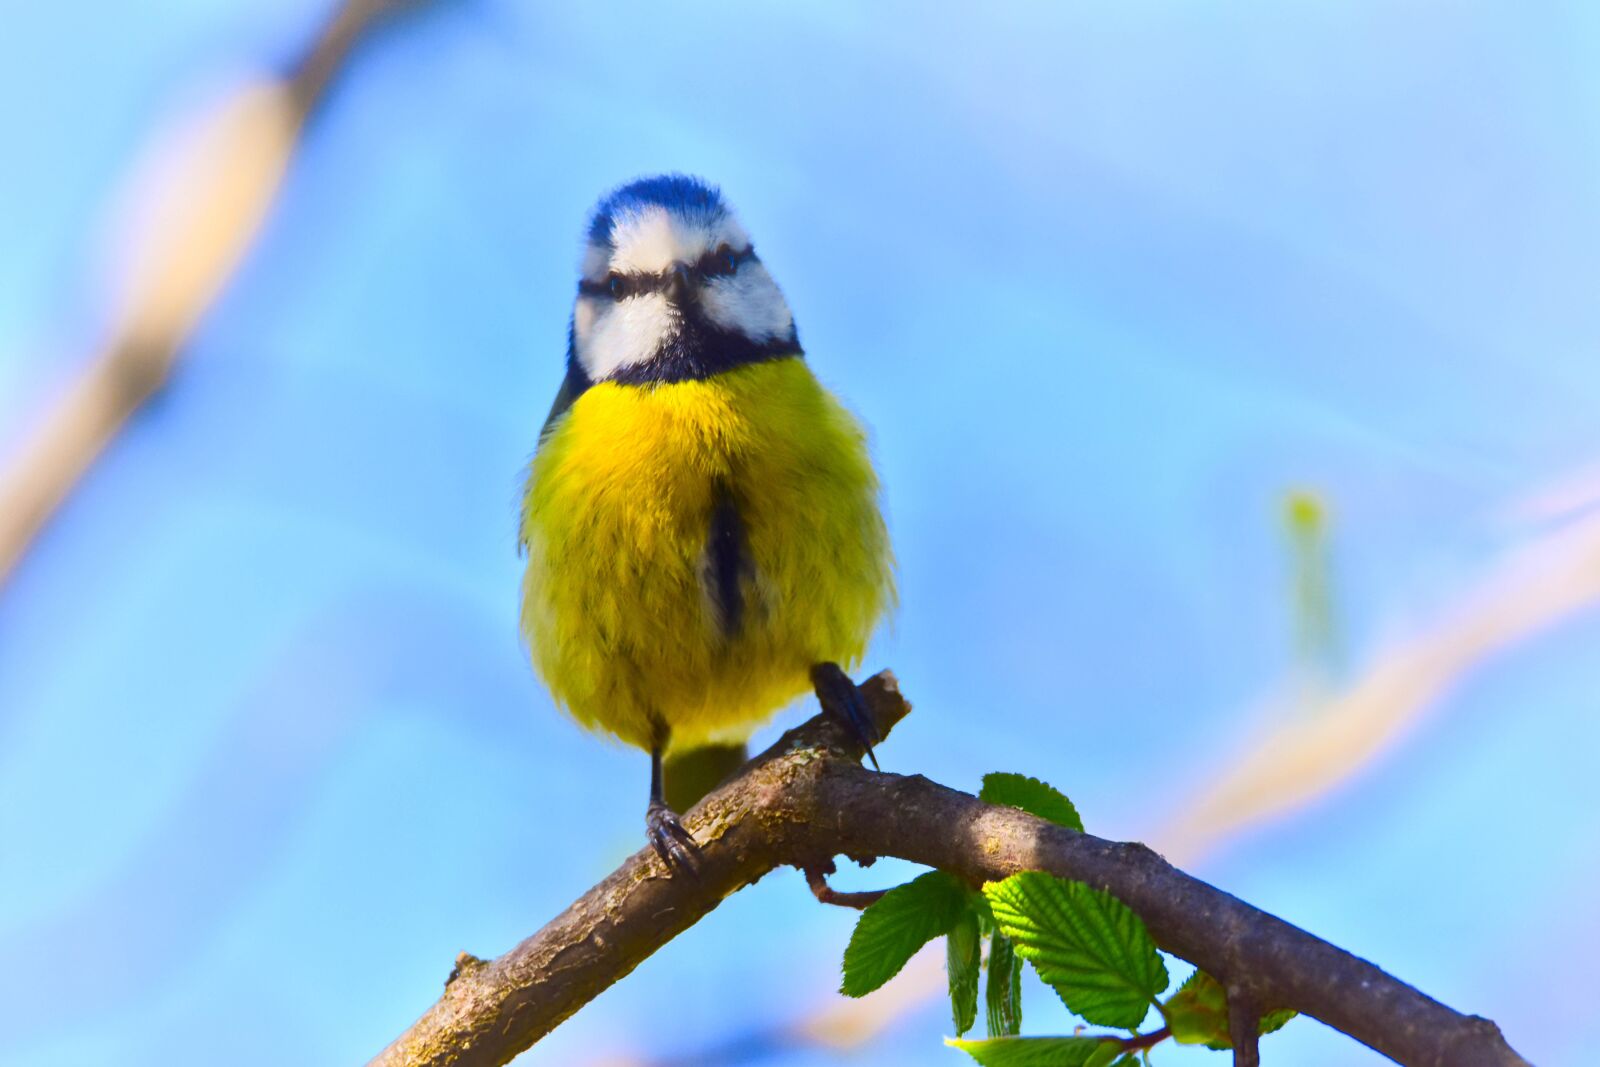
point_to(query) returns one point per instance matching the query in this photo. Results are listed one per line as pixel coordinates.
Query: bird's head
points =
(670, 288)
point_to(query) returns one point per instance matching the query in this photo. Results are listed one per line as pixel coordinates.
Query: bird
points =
(701, 518)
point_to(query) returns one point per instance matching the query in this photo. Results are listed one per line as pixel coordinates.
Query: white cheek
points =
(583, 313)
(748, 302)
(609, 337)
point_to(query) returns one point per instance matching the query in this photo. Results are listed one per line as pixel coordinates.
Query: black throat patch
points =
(699, 348)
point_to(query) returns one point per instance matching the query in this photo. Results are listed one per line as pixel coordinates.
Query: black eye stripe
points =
(639, 283)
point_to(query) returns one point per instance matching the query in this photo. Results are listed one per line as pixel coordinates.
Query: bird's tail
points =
(691, 773)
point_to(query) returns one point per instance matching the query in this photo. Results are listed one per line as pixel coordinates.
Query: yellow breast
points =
(618, 608)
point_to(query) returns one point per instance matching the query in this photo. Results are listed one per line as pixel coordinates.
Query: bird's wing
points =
(574, 383)
(571, 387)
(692, 773)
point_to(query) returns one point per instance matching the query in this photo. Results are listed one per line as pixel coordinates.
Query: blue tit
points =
(701, 520)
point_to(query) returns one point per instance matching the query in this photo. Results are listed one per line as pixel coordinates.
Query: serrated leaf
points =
(892, 930)
(1198, 1013)
(1086, 944)
(964, 963)
(1032, 796)
(1035, 1051)
(1003, 998)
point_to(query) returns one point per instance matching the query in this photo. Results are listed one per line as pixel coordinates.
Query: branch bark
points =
(808, 799)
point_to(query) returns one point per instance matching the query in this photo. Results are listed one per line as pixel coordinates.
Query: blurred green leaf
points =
(1004, 994)
(1271, 1023)
(1198, 1013)
(892, 930)
(1086, 944)
(1102, 1056)
(1036, 1051)
(1032, 796)
(964, 963)
(1305, 516)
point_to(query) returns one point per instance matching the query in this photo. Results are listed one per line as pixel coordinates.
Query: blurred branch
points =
(807, 799)
(205, 211)
(1297, 758)
(833, 1021)
(837, 1023)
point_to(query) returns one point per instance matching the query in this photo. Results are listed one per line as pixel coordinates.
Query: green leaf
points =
(900, 922)
(963, 961)
(1032, 796)
(1004, 994)
(1087, 944)
(1103, 1055)
(1036, 1051)
(1198, 1013)
(1273, 1021)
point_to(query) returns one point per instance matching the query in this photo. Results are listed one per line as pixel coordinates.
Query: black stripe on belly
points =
(727, 562)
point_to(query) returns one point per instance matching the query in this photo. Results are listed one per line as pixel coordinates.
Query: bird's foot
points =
(670, 839)
(841, 698)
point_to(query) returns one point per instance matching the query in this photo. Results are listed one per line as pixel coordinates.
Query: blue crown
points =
(680, 194)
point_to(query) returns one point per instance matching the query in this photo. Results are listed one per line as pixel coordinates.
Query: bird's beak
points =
(680, 287)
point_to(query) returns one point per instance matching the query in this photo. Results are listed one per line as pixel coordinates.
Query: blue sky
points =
(1105, 281)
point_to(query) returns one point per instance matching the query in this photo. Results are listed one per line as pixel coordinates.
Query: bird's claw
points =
(671, 840)
(842, 699)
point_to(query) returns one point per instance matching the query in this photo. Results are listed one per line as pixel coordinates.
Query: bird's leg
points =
(840, 698)
(672, 842)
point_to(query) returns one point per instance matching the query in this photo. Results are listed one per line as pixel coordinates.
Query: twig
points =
(1244, 1027)
(1144, 1041)
(808, 796)
(817, 880)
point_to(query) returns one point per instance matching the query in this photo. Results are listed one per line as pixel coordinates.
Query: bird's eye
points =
(723, 261)
(616, 285)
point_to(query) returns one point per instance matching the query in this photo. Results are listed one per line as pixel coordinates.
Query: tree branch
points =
(807, 799)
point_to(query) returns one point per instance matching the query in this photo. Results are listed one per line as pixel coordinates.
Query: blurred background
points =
(1233, 376)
